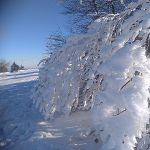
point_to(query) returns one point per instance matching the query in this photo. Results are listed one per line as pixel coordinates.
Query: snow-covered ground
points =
(23, 128)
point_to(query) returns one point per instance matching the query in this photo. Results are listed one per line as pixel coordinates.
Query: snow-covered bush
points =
(105, 72)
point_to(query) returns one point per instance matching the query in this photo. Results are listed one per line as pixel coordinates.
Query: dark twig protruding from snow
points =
(147, 46)
(119, 112)
(126, 84)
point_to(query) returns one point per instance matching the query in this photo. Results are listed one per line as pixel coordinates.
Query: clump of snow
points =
(105, 72)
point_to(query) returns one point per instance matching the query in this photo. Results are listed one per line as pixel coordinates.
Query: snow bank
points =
(105, 72)
(8, 78)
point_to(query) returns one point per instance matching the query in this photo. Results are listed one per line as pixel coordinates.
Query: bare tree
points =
(54, 43)
(83, 12)
(3, 66)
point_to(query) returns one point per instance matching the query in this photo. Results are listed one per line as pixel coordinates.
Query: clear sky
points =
(25, 26)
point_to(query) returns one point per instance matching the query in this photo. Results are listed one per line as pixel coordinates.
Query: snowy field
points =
(23, 128)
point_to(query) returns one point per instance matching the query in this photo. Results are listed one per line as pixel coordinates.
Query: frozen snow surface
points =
(104, 76)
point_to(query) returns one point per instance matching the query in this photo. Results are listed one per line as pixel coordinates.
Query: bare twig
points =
(119, 112)
(126, 84)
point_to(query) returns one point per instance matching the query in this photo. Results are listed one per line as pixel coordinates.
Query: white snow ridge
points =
(101, 80)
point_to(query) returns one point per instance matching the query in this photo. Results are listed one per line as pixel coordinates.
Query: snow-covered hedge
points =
(105, 72)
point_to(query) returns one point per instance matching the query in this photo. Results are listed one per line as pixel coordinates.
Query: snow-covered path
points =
(23, 128)
(18, 117)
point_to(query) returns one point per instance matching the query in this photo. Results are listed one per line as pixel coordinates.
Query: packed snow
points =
(23, 128)
(103, 76)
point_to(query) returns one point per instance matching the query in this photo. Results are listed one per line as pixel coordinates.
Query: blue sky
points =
(25, 26)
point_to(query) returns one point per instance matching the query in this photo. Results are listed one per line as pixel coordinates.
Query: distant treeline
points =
(4, 66)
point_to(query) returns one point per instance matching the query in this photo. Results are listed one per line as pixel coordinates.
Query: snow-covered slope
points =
(18, 117)
(105, 73)
(17, 77)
